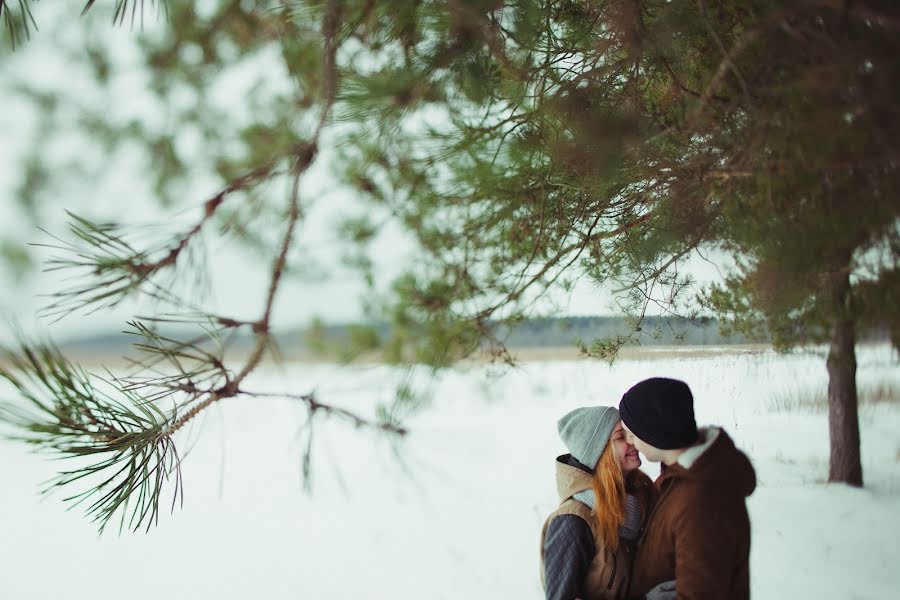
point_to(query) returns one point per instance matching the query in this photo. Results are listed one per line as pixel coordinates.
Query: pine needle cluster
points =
(119, 431)
(120, 444)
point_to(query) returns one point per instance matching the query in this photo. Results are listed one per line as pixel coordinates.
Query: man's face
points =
(652, 453)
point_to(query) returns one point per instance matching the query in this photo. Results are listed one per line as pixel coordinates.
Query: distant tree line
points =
(347, 341)
(545, 332)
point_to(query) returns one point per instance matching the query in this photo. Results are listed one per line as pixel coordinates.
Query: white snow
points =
(456, 511)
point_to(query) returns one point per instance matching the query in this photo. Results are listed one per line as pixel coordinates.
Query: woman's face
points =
(626, 454)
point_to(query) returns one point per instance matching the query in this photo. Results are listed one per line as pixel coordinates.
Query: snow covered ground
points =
(455, 510)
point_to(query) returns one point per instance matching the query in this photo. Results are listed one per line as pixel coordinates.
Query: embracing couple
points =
(617, 534)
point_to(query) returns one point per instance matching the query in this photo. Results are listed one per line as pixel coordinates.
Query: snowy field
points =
(456, 511)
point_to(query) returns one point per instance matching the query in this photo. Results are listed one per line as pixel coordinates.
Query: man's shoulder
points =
(690, 495)
(689, 488)
(681, 492)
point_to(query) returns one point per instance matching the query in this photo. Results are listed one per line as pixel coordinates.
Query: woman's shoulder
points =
(571, 520)
(573, 507)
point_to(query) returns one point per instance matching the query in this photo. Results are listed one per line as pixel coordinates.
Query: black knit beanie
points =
(660, 411)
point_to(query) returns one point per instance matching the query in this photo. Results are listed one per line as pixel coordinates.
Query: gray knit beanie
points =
(585, 432)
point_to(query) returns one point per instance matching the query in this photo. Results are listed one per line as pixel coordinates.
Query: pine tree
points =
(528, 144)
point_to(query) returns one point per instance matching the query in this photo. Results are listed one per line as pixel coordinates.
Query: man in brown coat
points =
(699, 531)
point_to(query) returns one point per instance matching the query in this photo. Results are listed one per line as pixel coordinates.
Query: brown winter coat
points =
(607, 577)
(698, 532)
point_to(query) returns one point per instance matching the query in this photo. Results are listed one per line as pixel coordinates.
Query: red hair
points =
(609, 492)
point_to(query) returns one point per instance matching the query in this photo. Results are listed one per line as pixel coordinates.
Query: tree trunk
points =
(843, 418)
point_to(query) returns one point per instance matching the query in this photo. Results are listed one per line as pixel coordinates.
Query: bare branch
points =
(315, 406)
(305, 156)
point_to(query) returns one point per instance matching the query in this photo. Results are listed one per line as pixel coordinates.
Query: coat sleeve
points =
(568, 553)
(705, 547)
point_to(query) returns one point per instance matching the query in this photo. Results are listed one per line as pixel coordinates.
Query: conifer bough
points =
(528, 145)
(120, 430)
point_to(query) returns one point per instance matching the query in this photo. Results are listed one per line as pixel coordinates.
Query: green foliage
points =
(121, 443)
(16, 257)
(316, 337)
(18, 21)
(874, 300)
(342, 343)
(526, 144)
(406, 402)
(72, 413)
(363, 338)
(110, 267)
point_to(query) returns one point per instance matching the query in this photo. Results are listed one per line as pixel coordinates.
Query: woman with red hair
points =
(587, 543)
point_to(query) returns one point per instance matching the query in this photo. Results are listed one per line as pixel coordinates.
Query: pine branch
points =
(110, 268)
(385, 423)
(117, 423)
(126, 427)
(165, 366)
(305, 157)
(122, 9)
(17, 23)
(566, 252)
(21, 22)
(125, 440)
(388, 418)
